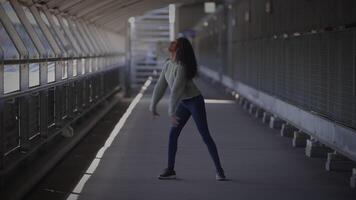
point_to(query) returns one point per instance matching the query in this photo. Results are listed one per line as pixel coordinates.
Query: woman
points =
(185, 99)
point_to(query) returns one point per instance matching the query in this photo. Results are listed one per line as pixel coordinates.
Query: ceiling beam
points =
(113, 10)
(123, 16)
(104, 10)
(80, 6)
(67, 4)
(94, 8)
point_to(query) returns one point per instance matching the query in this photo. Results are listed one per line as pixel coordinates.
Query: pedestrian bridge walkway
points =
(258, 163)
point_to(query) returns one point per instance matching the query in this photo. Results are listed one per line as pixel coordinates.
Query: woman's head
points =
(184, 54)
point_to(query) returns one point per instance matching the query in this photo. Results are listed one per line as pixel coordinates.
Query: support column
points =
(246, 104)
(241, 101)
(266, 118)
(287, 130)
(275, 123)
(316, 149)
(300, 139)
(259, 113)
(353, 178)
(252, 109)
(338, 162)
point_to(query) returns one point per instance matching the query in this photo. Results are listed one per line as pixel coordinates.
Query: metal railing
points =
(28, 120)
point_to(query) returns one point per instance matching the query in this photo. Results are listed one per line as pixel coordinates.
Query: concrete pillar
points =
(259, 113)
(252, 109)
(338, 162)
(275, 123)
(299, 139)
(287, 130)
(316, 149)
(353, 178)
(241, 100)
(246, 104)
(266, 117)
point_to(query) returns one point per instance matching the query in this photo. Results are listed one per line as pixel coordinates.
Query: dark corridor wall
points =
(300, 51)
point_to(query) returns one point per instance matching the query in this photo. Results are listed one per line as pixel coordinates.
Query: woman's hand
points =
(174, 120)
(155, 114)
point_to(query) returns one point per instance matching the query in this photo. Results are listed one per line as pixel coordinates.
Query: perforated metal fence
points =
(302, 52)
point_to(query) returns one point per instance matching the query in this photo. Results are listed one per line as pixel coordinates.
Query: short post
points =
(241, 100)
(299, 139)
(275, 123)
(353, 178)
(266, 117)
(337, 162)
(287, 130)
(259, 113)
(246, 104)
(316, 149)
(252, 109)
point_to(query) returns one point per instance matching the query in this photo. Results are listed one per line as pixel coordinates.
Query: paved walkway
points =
(257, 161)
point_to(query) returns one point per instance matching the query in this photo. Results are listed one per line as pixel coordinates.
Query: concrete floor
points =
(61, 180)
(257, 161)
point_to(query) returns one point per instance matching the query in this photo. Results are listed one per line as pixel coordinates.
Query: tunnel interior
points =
(291, 61)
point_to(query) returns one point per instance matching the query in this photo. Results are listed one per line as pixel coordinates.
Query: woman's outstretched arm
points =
(158, 90)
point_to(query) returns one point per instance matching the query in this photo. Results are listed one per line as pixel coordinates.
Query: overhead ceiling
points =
(110, 14)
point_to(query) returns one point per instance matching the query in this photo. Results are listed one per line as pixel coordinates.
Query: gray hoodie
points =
(173, 74)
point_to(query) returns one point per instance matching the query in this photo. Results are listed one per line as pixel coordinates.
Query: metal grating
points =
(34, 116)
(297, 53)
(11, 125)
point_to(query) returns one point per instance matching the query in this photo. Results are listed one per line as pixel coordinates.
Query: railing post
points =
(44, 114)
(58, 94)
(24, 123)
(2, 137)
(2, 147)
(58, 106)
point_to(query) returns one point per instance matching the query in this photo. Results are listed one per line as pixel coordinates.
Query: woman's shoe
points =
(220, 176)
(167, 174)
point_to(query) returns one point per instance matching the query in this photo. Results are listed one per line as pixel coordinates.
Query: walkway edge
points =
(74, 195)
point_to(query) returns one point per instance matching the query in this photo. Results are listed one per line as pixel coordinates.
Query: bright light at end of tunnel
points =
(131, 20)
(209, 7)
(172, 13)
(172, 19)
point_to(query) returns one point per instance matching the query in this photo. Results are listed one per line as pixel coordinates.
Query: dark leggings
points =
(194, 106)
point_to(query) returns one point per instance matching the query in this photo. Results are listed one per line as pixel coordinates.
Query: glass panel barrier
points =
(9, 50)
(75, 67)
(65, 70)
(65, 40)
(90, 64)
(70, 36)
(11, 78)
(74, 28)
(34, 74)
(33, 53)
(38, 30)
(83, 65)
(51, 74)
(55, 36)
(86, 38)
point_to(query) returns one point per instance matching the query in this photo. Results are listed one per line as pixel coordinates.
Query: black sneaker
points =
(167, 174)
(220, 176)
